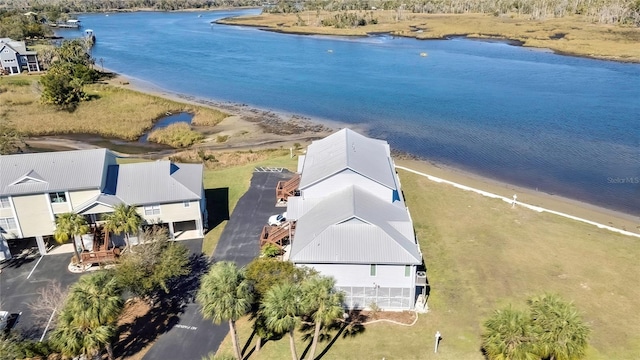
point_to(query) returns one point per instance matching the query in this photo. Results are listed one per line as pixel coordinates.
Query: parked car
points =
(277, 219)
(4, 319)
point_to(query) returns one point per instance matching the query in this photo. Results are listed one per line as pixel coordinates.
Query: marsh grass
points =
(113, 112)
(221, 160)
(178, 135)
(572, 35)
(481, 255)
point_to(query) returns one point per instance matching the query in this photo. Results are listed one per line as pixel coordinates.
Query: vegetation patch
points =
(112, 112)
(178, 135)
(220, 160)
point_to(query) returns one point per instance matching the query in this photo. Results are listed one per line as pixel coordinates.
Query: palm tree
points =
(560, 332)
(323, 303)
(124, 218)
(88, 320)
(281, 307)
(225, 295)
(70, 225)
(507, 336)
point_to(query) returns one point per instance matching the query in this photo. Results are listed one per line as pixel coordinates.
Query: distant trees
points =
(17, 26)
(551, 329)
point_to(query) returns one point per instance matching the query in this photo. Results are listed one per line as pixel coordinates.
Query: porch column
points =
(199, 226)
(171, 235)
(5, 254)
(42, 248)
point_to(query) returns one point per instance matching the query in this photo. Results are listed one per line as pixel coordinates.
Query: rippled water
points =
(559, 124)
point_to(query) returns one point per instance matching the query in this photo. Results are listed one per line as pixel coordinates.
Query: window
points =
(372, 271)
(7, 224)
(4, 203)
(58, 197)
(186, 203)
(407, 270)
(152, 210)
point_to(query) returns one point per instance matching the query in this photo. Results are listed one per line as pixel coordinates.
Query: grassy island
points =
(572, 35)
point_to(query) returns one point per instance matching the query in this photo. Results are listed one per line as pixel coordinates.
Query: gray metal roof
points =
(53, 171)
(356, 227)
(158, 182)
(346, 149)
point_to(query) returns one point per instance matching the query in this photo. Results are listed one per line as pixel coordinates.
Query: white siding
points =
(34, 214)
(358, 275)
(174, 212)
(80, 197)
(343, 179)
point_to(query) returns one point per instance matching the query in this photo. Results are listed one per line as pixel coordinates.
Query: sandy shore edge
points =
(262, 138)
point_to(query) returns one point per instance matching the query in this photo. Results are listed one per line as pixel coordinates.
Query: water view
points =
(563, 125)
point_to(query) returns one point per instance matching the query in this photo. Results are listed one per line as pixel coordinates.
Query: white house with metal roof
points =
(348, 158)
(352, 222)
(34, 188)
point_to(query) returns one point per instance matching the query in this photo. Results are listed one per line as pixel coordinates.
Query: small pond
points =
(163, 122)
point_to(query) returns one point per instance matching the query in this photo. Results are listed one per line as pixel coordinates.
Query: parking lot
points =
(193, 337)
(21, 281)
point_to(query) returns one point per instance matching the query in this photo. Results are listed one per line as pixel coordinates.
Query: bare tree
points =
(51, 298)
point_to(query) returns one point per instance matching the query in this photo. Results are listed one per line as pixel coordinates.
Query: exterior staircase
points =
(277, 235)
(287, 188)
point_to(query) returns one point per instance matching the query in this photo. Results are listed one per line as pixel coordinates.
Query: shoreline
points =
(247, 118)
(424, 30)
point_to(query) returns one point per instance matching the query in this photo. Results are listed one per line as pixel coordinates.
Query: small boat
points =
(423, 54)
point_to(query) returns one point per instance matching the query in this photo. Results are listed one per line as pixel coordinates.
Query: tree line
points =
(622, 12)
(75, 6)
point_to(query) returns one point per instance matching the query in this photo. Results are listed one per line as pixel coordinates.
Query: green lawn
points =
(482, 254)
(237, 179)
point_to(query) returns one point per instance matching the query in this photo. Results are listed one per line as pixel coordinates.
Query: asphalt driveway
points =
(21, 281)
(193, 337)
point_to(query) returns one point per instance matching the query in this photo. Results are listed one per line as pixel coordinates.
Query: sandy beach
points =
(251, 128)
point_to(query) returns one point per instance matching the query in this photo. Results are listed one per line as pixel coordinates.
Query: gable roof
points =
(346, 149)
(19, 47)
(53, 171)
(354, 226)
(157, 182)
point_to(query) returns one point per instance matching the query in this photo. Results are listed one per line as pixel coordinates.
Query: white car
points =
(277, 219)
(4, 319)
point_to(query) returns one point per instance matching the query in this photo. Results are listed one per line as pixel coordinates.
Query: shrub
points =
(176, 135)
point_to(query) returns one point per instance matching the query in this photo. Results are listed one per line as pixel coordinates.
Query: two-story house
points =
(351, 222)
(15, 58)
(34, 188)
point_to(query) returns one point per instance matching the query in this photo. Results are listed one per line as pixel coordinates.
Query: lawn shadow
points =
(165, 313)
(350, 327)
(217, 206)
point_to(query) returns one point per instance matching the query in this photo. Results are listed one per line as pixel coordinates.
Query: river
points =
(564, 125)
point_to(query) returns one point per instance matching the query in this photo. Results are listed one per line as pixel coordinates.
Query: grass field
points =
(113, 112)
(481, 255)
(572, 35)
